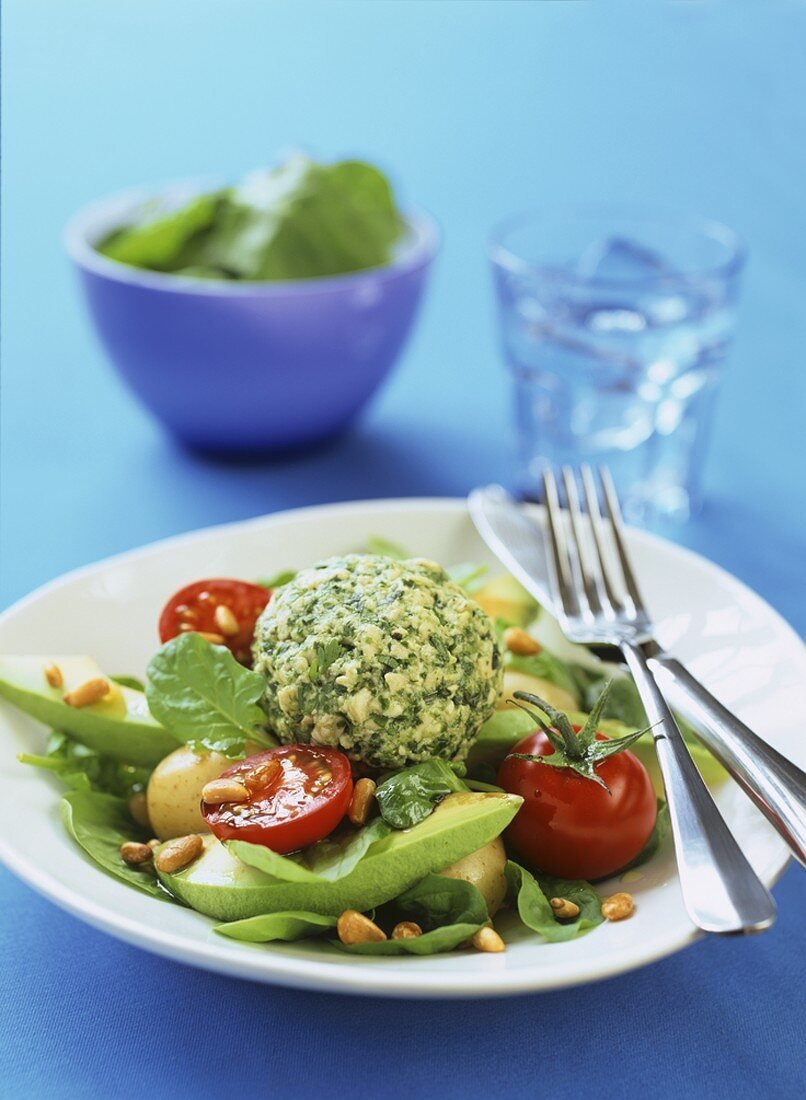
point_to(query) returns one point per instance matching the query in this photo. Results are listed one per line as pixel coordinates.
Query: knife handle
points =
(775, 784)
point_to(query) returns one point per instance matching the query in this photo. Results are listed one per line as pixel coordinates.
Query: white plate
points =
(741, 648)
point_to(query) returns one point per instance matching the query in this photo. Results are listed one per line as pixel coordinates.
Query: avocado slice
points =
(119, 725)
(221, 886)
(504, 598)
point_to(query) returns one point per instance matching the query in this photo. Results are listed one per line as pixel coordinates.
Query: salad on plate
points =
(375, 751)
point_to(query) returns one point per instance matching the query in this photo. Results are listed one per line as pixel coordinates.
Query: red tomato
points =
(298, 794)
(568, 825)
(195, 607)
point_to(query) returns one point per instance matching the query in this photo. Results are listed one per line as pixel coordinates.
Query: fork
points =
(721, 891)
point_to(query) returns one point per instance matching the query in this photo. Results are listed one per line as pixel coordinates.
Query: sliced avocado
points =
(119, 725)
(504, 598)
(222, 886)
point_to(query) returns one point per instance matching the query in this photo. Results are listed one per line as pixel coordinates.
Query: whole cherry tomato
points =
(225, 609)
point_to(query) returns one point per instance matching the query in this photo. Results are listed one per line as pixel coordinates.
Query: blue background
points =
(476, 109)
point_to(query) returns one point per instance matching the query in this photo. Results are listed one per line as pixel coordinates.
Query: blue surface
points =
(477, 109)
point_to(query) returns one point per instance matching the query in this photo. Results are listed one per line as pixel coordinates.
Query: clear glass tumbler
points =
(616, 325)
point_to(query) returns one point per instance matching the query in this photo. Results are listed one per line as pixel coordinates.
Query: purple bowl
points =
(241, 368)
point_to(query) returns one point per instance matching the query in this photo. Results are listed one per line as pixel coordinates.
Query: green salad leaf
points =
(531, 898)
(469, 575)
(285, 576)
(331, 859)
(83, 769)
(377, 544)
(448, 910)
(408, 797)
(546, 666)
(656, 837)
(199, 691)
(234, 748)
(276, 926)
(301, 220)
(100, 823)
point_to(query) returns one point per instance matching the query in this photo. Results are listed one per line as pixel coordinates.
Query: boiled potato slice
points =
(484, 869)
(514, 680)
(175, 787)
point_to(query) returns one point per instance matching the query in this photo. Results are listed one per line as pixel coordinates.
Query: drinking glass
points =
(615, 326)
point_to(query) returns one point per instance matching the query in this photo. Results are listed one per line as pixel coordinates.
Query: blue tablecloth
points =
(477, 109)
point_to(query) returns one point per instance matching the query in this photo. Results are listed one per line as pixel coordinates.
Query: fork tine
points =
(585, 575)
(563, 589)
(594, 512)
(617, 524)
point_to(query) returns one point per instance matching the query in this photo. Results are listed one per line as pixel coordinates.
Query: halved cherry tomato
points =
(298, 794)
(195, 607)
(570, 826)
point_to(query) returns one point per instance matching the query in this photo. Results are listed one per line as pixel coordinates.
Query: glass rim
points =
(508, 258)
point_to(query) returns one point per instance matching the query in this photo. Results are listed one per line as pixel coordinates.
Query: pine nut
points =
(618, 907)
(138, 808)
(53, 675)
(212, 638)
(87, 693)
(178, 853)
(564, 909)
(353, 927)
(133, 853)
(487, 939)
(518, 641)
(226, 621)
(263, 776)
(361, 802)
(224, 790)
(406, 930)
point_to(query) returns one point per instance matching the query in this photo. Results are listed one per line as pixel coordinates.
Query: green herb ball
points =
(390, 661)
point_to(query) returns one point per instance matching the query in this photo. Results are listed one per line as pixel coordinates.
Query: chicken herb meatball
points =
(388, 660)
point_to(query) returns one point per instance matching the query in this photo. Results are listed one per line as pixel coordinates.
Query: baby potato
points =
(484, 869)
(515, 680)
(175, 787)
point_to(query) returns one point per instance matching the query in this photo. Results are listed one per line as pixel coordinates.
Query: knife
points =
(776, 785)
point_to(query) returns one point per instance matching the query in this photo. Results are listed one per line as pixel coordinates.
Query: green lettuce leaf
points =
(276, 926)
(408, 797)
(449, 911)
(199, 691)
(100, 823)
(531, 897)
(82, 768)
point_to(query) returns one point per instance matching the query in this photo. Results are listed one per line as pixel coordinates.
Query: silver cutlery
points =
(774, 783)
(721, 892)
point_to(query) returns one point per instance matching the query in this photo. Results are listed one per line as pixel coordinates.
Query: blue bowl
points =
(241, 368)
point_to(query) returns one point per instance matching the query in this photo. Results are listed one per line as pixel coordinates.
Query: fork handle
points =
(775, 784)
(721, 891)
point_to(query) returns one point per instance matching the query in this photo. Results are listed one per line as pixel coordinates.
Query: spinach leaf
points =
(531, 897)
(129, 682)
(449, 911)
(276, 926)
(330, 859)
(82, 768)
(408, 797)
(164, 242)
(100, 823)
(656, 837)
(198, 691)
(234, 748)
(546, 666)
(469, 575)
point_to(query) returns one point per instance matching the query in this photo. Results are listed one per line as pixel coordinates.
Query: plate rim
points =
(323, 974)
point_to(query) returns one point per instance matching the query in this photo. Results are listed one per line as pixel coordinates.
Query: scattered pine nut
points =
(618, 907)
(353, 927)
(218, 791)
(53, 675)
(263, 776)
(212, 638)
(178, 853)
(406, 930)
(87, 693)
(138, 808)
(226, 621)
(518, 641)
(487, 939)
(564, 909)
(185, 628)
(361, 802)
(134, 854)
